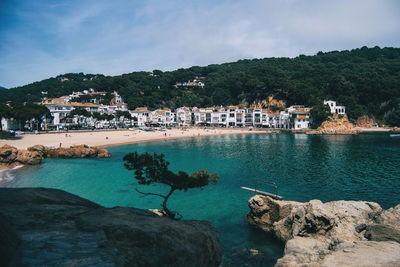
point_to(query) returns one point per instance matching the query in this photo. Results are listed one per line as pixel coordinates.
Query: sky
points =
(44, 38)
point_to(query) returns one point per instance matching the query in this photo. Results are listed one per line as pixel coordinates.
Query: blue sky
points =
(41, 39)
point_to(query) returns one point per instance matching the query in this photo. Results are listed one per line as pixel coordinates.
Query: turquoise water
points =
(359, 167)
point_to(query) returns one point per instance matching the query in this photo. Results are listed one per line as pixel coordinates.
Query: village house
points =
(334, 108)
(141, 114)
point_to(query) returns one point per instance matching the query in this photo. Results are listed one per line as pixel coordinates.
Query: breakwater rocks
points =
(338, 233)
(49, 227)
(11, 156)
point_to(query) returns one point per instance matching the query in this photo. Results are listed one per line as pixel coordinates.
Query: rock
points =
(248, 257)
(336, 124)
(365, 122)
(381, 232)
(391, 217)
(365, 253)
(103, 153)
(8, 241)
(11, 156)
(38, 148)
(58, 228)
(29, 157)
(79, 151)
(315, 230)
(8, 154)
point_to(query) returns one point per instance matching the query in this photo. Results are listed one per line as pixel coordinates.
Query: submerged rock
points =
(338, 233)
(60, 229)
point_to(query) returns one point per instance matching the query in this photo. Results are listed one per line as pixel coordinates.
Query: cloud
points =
(43, 40)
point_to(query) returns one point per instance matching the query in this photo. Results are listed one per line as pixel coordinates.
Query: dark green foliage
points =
(79, 112)
(98, 116)
(150, 169)
(361, 79)
(319, 113)
(124, 114)
(391, 110)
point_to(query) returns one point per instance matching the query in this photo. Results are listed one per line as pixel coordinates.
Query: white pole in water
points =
(262, 192)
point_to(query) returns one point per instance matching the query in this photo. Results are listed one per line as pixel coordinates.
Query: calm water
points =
(360, 167)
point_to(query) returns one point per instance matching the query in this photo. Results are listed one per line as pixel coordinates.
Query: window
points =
(231, 115)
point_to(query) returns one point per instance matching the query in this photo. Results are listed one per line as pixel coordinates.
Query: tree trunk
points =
(164, 205)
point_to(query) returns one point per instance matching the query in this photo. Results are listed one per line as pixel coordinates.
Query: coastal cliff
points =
(338, 233)
(11, 156)
(50, 227)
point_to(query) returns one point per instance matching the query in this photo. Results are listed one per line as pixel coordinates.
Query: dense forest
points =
(365, 80)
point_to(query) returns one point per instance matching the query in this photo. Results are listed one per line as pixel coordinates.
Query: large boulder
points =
(312, 231)
(38, 148)
(60, 229)
(8, 154)
(27, 157)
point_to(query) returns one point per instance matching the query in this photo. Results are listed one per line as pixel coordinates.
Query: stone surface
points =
(8, 154)
(319, 234)
(11, 156)
(27, 157)
(79, 151)
(9, 241)
(60, 229)
(336, 124)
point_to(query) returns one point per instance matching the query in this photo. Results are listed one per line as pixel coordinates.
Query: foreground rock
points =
(338, 233)
(55, 228)
(336, 124)
(11, 156)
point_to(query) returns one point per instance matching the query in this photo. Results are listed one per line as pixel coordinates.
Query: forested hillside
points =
(365, 80)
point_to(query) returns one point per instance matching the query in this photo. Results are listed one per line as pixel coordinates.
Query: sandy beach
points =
(110, 138)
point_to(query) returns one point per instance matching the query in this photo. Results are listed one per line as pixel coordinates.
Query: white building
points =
(161, 117)
(183, 116)
(142, 116)
(9, 124)
(335, 109)
(295, 117)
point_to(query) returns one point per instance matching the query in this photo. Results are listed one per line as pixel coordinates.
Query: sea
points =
(298, 167)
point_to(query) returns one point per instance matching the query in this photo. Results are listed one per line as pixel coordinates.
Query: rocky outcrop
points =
(336, 124)
(55, 228)
(338, 233)
(11, 156)
(80, 151)
(365, 122)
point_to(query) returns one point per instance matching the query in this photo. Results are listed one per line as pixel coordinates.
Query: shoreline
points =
(4, 174)
(114, 138)
(124, 137)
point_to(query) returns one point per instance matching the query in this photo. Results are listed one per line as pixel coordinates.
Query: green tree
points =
(124, 114)
(5, 112)
(319, 113)
(79, 112)
(151, 169)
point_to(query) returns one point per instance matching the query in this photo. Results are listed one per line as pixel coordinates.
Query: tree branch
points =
(148, 194)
